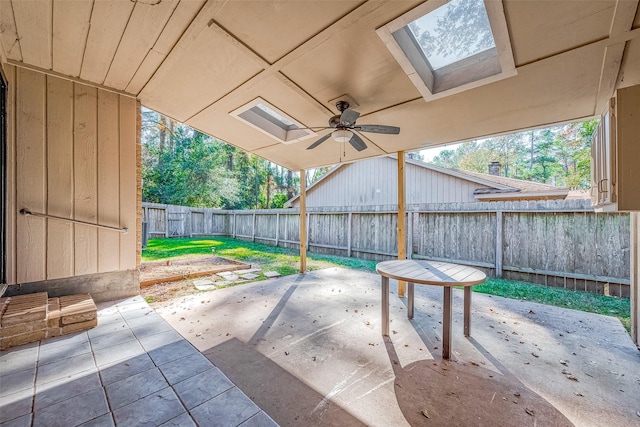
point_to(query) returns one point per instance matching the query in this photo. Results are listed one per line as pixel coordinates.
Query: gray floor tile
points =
(115, 353)
(112, 339)
(202, 387)
(106, 328)
(170, 352)
(62, 350)
(20, 380)
(154, 409)
(136, 387)
(160, 340)
(65, 340)
(65, 388)
(23, 421)
(125, 369)
(148, 329)
(181, 369)
(73, 411)
(130, 311)
(230, 408)
(183, 420)
(145, 319)
(260, 420)
(105, 420)
(19, 358)
(63, 368)
(16, 405)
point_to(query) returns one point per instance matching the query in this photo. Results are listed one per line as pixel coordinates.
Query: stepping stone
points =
(249, 276)
(271, 274)
(249, 270)
(230, 277)
(226, 273)
(223, 283)
(204, 285)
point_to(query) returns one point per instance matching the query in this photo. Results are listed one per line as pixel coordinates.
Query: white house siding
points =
(375, 182)
(71, 153)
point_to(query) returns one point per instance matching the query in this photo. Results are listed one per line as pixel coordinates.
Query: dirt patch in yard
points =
(163, 280)
(187, 267)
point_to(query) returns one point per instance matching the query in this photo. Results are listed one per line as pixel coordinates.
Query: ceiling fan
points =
(346, 128)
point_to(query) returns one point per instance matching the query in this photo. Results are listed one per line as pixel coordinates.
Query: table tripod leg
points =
(467, 311)
(446, 324)
(410, 288)
(385, 306)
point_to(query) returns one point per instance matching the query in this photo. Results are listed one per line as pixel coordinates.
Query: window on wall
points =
(446, 47)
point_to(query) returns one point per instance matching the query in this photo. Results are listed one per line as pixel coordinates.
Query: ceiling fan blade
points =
(390, 130)
(357, 143)
(320, 141)
(349, 117)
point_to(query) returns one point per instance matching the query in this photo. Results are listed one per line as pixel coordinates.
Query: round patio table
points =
(435, 273)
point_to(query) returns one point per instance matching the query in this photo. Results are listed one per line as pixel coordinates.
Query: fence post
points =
(349, 222)
(166, 222)
(234, 225)
(306, 243)
(277, 227)
(253, 228)
(499, 236)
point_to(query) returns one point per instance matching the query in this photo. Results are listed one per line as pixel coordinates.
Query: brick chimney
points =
(494, 168)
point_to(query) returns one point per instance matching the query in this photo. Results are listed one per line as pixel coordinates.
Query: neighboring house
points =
(373, 182)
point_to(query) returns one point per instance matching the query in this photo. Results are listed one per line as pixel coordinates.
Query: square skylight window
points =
(266, 118)
(446, 47)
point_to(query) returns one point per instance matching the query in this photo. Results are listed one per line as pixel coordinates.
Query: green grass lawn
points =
(286, 262)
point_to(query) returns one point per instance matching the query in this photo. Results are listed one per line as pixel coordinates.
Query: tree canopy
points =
(558, 155)
(182, 166)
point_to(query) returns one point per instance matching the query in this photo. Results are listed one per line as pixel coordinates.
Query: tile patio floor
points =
(132, 369)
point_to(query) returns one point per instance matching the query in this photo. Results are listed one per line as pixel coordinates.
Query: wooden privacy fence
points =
(555, 243)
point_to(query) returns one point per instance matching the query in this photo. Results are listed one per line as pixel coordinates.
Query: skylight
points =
(271, 121)
(453, 32)
(446, 47)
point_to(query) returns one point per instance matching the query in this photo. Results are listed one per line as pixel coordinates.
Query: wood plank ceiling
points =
(197, 61)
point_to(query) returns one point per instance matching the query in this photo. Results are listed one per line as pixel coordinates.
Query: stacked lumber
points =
(33, 317)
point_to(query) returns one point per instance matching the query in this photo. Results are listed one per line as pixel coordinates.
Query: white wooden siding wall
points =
(72, 153)
(374, 182)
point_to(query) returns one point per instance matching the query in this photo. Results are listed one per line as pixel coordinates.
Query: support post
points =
(166, 222)
(303, 221)
(402, 215)
(499, 223)
(634, 287)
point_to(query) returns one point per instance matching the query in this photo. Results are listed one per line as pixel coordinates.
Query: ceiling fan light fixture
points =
(342, 135)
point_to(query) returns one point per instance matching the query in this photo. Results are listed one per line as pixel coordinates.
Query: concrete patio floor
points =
(132, 369)
(307, 349)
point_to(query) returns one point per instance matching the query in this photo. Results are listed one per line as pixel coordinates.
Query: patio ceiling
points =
(197, 61)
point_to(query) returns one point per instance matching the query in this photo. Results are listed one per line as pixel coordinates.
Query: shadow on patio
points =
(308, 350)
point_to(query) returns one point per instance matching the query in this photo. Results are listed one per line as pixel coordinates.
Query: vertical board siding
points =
(74, 150)
(108, 181)
(31, 175)
(12, 203)
(129, 110)
(374, 182)
(60, 177)
(197, 222)
(85, 163)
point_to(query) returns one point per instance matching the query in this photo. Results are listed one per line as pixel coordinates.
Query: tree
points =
(559, 155)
